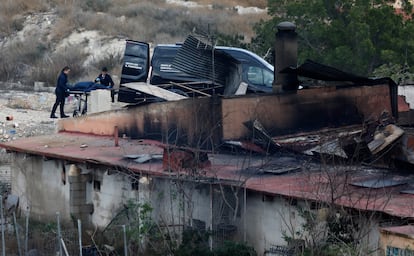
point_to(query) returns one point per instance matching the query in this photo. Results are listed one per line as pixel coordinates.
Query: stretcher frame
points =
(81, 106)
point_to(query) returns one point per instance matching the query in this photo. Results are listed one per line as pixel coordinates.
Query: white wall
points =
(115, 191)
(408, 92)
(171, 202)
(266, 220)
(40, 186)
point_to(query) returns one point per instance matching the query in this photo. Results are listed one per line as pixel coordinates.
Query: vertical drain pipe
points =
(116, 138)
(286, 55)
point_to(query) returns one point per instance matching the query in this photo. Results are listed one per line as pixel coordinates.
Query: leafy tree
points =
(357, 36)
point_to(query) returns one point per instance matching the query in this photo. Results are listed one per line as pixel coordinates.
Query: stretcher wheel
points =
(76, 113)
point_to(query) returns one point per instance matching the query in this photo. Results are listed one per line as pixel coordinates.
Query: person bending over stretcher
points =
(105, 79)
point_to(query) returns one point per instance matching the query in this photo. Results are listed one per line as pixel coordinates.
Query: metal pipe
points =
(64, 247)
(19, 250)
(26, 239)
(125, 241)
(244, 213)
(3, 242)
(59, 233)
(210, 240)
(80, 236)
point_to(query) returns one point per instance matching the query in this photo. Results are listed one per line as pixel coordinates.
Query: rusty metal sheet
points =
(382, 182)
(226, 169)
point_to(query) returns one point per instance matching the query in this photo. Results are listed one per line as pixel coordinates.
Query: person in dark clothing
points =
(105, 79)
(60, 91)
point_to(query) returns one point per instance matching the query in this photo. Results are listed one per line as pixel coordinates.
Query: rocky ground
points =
(25, 114)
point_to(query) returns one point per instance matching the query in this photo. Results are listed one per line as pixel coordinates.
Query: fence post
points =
(19, 250)
(125, 241)
(59, 233)
(26, 239)
(3, 242)
(80, 237)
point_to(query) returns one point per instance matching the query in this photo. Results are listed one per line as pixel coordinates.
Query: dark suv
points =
(173, 63)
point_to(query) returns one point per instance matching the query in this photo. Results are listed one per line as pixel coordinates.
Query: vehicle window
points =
(138, 50)
(259, 76)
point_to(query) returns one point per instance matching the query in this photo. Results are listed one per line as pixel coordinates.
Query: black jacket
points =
(61, 86)
(107, 80)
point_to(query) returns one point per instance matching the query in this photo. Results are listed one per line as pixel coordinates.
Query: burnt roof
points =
(298, 178)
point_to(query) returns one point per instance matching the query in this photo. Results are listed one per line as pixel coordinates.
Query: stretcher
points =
(80, 101)
(80, 92)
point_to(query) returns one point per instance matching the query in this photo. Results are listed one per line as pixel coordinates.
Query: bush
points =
(230, 248)
(195, 242)
(18, 60)
(48, 68)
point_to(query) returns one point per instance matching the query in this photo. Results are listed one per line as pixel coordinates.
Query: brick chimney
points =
(286, 55)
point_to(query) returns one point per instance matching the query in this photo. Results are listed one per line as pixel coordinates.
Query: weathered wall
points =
(204, 122)
(266, 220)
(307, 110)
(178, 202)
(114, 192)
(41, 186)
(408, 92)
(192, 122)
(397, 241)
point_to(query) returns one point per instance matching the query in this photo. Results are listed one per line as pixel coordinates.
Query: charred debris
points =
(315, 111)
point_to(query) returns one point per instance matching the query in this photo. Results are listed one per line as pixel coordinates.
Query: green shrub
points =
(230, 248)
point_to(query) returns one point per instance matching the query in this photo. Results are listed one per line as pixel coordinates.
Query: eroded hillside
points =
(40, 37)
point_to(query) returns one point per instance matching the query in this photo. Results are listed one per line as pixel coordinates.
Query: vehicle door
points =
(135, 68)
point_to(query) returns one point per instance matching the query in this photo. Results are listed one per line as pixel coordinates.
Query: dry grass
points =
(244, 3)
(151, 21)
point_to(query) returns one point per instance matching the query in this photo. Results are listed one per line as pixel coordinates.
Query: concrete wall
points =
(266, 221)
(115, 191)
(211, 120)
(187, 122)
(397, 241)
(408, 92)
(99, 101)
(307, 110)
(178, 203)
(41, 186)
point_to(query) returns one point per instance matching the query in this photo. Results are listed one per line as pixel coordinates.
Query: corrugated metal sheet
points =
(307, 184)
(382, 182)
(198, 58)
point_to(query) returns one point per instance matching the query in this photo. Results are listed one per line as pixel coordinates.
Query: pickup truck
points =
(190, 69)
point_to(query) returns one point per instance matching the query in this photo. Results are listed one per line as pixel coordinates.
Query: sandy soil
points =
(24, 114)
